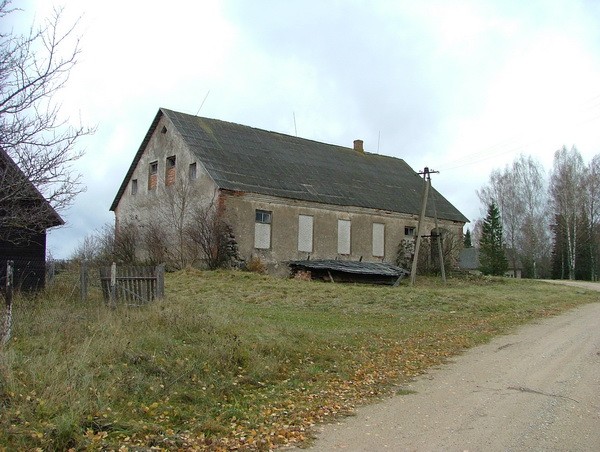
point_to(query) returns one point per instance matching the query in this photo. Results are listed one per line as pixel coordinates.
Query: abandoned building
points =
(25, 215)
(285, 198)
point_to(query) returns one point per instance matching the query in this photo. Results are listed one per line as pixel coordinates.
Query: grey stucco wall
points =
(146, 206)
(240, 213)
(151, 206)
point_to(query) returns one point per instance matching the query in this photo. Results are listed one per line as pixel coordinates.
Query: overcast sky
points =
(462, 87)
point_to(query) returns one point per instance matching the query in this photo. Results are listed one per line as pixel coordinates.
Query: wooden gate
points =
(133, 286)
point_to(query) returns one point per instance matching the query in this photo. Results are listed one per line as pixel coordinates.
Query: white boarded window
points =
(378, 239)
(262, 230)
(343, 236)
(305, 233)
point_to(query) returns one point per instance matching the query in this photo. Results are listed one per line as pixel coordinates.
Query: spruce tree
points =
(492, 259)
(467, 240)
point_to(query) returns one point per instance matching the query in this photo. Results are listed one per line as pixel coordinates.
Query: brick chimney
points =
(358, 146)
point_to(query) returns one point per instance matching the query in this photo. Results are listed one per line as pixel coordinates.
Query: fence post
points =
(7, 332)
(160, 281)
(113, 285)
(83, 281)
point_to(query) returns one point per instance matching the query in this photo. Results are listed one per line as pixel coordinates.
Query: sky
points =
(462, 87)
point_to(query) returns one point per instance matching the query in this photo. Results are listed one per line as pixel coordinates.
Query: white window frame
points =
(344, 236)
(305, 233)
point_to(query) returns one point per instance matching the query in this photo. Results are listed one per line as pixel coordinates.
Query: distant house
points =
(25, 215)
(285, 198)
(468, 260)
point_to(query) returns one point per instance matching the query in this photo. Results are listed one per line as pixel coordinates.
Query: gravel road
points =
(537, 389)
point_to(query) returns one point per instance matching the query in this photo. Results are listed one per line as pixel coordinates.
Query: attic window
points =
(170, 171)
(192, 171)
(152, 175)
(134, 186)
(164, 129)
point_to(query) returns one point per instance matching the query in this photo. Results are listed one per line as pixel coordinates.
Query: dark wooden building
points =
(25, 215)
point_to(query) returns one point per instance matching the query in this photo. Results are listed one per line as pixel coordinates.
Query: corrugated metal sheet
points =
(359, 268)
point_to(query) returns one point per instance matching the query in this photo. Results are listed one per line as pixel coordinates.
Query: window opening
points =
(152, 175)
(343, 236)
(192, 171)
(134, 186)
(263, 216)
(170, 171)
(378, 239)
(262, 229)
(305, 233)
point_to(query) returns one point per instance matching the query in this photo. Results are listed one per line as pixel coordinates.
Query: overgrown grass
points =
(234, 359)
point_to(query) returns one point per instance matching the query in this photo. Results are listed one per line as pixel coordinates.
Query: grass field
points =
(237, 360)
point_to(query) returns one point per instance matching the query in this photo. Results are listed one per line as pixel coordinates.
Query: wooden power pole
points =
(426, 186)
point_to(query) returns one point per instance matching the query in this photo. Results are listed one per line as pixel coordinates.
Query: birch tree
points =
(591, 203)
(519, 192)
(567, 193)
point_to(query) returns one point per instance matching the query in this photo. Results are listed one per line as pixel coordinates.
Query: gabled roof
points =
(243, 158)
(14, 185)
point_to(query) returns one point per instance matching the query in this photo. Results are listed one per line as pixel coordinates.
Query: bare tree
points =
(156, 243)
(125, 242)
(591, 202)
(87, 250)
(214, 237)
(34, 67)
(104, 246)
(566, 193)
(503, 192)
(519, 191)
(173, 210)
(534, 242)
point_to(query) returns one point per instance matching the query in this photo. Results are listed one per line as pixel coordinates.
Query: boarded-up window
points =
(378, 239)
(170, 171)
(152, 175)
(343, 236)
(134, 186)
(192, 171)
(262, 229)
(305, 233)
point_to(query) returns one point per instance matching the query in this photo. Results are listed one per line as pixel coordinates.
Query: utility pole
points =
(438, 238)
(426, 184)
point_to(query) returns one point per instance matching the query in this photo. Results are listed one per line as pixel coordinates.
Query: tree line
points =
(549, 222)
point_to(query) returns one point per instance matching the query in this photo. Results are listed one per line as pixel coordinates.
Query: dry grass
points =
(235, 359)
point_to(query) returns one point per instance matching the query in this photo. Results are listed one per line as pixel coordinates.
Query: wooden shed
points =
(25, 215)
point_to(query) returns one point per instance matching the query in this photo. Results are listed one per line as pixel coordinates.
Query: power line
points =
(586, 112)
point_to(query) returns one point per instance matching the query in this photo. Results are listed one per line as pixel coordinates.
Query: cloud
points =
(462, 87)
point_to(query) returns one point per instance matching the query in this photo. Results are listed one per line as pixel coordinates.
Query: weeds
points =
(233, 359)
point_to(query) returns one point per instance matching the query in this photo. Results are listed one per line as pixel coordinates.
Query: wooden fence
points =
(133, 286)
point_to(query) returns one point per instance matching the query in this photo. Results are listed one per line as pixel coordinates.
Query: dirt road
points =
(537, 389)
